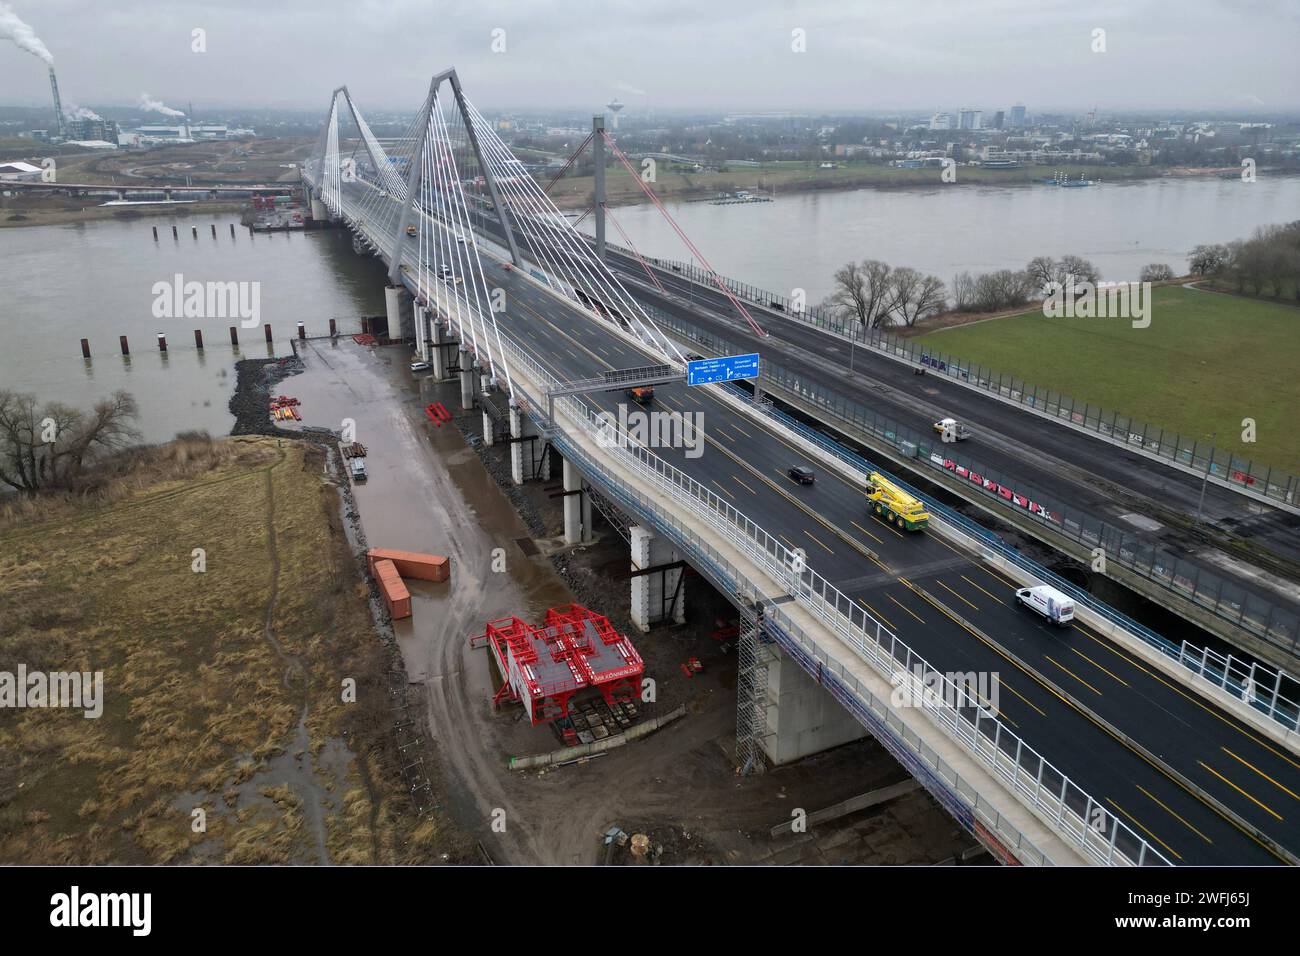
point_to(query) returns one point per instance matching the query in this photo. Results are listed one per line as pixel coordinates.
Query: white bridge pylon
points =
(423, 199)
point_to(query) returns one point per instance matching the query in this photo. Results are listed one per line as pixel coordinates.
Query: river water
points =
(94, 280)
(800, 239)
(61, 283)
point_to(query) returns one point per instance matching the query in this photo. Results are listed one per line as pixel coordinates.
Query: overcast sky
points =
(669, 54)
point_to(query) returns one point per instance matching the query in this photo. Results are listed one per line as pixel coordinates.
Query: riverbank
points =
(672, 182)
(224, 735)
(16, 211)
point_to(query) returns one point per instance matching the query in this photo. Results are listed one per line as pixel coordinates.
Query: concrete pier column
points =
(466, 380)
(489, 438)
(660, 595)
(803, 717)
(587, 535)
(574, 530)
(420, 318)
(517, 472)
(437, 355)
(319, 211)
(394, 306)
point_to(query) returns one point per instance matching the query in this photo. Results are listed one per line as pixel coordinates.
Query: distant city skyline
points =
(671, 55)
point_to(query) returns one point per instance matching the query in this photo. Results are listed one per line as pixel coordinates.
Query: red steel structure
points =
(574, 648)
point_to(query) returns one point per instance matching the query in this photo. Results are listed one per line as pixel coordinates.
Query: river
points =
(800, 239)
(94, 280)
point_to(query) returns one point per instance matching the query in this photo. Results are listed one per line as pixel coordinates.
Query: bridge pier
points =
(489, 431)
(577, 506)
(467, 375)
(437, 354)
(527, 450)
(421, 318)
(658, 585)
(319, 211)
(803, 718)
(394, 298)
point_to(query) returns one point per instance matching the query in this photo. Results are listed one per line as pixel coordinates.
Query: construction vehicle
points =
(895, 505)
(642, 395)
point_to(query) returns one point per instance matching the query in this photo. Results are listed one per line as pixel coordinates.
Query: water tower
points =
(614, 108)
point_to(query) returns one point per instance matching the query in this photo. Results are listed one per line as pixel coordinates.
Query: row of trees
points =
(1267, 262)
(51, 446)
(877, 294)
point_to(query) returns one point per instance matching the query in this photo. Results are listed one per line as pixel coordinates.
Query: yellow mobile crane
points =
(894, 504)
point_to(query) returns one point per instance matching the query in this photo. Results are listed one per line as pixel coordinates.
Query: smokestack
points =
(58, 104)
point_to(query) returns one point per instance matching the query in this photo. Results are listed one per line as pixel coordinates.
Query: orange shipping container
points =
(396, 597)
(413, 564)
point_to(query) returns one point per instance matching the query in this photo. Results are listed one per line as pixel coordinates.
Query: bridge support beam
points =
(395, 297)
(802, 716)
(528, 456)
(598, 168)
(437, 354)
(420, 318)
(657, 596)
(577, 507)
(319, 212)
(467, 376)
(489, 431)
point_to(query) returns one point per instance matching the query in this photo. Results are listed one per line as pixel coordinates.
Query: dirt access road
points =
(429, 491)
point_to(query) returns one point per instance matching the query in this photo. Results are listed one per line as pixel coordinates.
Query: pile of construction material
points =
(284, 408)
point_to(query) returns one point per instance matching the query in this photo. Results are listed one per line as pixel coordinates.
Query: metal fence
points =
(1275, 624)
(1193, 452)
(1078, 817)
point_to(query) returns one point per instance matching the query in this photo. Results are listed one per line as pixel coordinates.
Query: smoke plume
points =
(147, 102)
(12, 28)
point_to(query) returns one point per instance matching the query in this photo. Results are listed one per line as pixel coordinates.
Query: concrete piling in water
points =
(155, 233)
(267, 329)
(126, 349)
(214, 230)
(198, 339)
(162, 342)
(333, 328)
(302, 330)
(85, 348)
(195, 230)
(175, 234)
(232, 230)
(234, 336)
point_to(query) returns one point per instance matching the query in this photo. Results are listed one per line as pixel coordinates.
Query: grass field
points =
(1206, 362)
(222, 689)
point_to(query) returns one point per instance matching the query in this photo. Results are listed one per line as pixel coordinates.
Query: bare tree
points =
(1155, 272)
(862, 292)
(963, 292)
(1043, 271)
(1208, 260)
(904, 286)
(50, 446)
(1078, 269)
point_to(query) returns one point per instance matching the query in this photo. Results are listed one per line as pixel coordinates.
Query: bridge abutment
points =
(658, 584)
(803, 718)
(319, 212)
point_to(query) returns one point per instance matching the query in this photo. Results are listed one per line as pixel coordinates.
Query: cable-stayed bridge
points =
(1089, 747)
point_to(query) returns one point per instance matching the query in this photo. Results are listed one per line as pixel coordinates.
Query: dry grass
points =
(200, 707)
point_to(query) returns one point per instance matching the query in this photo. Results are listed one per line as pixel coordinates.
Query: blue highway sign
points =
(725, 368)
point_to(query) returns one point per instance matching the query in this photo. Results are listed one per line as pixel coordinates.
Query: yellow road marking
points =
(954, 593)
(888, 622)
(904, 607)
(1099, 667)
(1260, 772)
(1074, 675)
(867, 533)
(743, 485)
(1134, 821)
(725, 491)
(1262, 806)
(814, 537)
(980, 589)
(1174, 815)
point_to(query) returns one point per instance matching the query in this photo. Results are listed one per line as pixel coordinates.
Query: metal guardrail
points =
(1077, 817)
(1274, 624)
(1260, 478)
(1257, 685)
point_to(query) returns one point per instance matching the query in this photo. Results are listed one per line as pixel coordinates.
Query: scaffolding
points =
(751, 691)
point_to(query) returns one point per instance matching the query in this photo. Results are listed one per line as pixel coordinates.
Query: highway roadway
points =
(961, 616)
(1106, 481)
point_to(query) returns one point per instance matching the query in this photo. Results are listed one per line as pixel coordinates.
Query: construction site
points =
(565, 731)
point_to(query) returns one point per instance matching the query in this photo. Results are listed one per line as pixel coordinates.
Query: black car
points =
(802, 474)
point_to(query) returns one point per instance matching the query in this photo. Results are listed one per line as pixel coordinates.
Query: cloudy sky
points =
(859, 55)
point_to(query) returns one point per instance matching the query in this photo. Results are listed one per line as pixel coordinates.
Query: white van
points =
(1049, 602)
